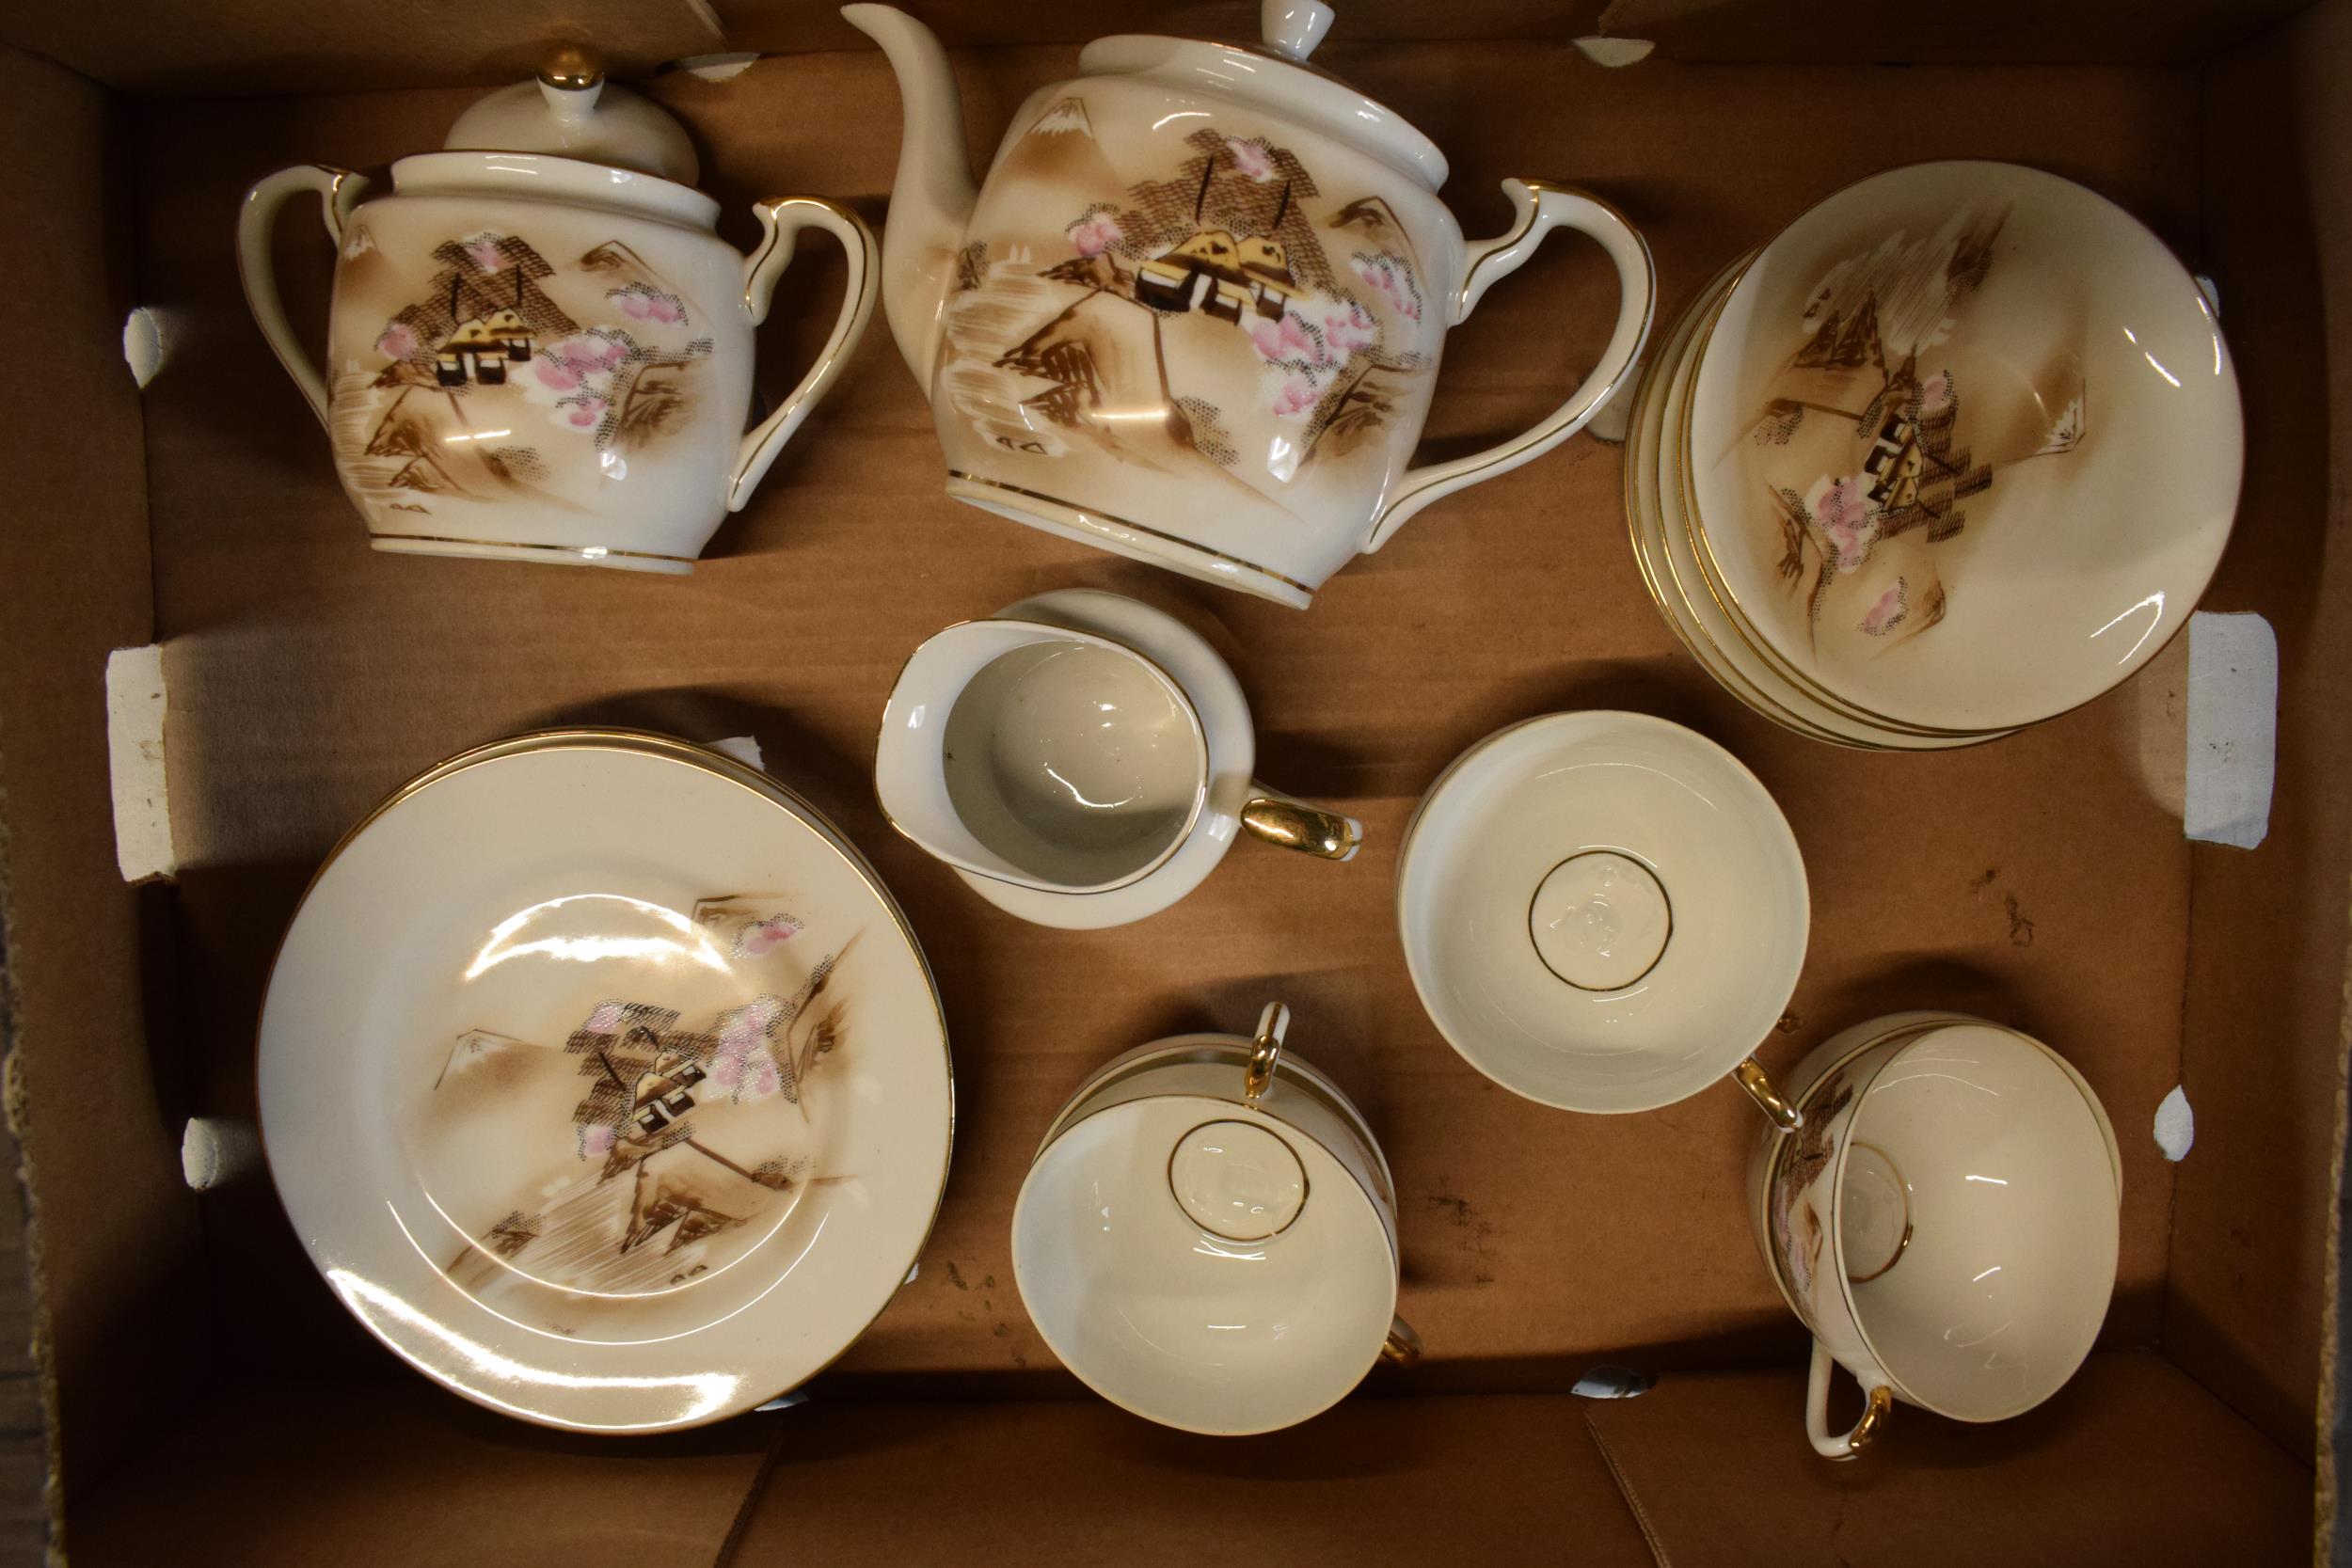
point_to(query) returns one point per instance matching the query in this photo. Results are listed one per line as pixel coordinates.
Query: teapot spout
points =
(931, 200)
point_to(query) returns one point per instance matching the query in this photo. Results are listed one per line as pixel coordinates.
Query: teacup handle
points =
(1542, 207)
(1403, 1346)
(339, 191)
(1265, 1053)
(1286, 820)
(1865, 1432)
(781, 220)
(1751, 1076)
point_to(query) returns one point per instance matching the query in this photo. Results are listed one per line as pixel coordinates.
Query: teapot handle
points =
(782, 218)
(338, 192)
(1542, 207)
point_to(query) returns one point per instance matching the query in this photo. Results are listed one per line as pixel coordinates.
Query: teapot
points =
(539, 349)
(1194, 314)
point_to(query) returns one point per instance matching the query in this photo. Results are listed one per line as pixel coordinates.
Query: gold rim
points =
(1650, 390)
(1087, 514)
(654, 743)
(1200, 797)
(584, 551)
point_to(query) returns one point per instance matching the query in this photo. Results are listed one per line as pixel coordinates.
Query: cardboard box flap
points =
(2132, 1462)
(402, 1474)
(2263, 1043)
(1506, 1480)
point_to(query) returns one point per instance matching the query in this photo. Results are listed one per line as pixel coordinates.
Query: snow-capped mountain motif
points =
(1063, 117)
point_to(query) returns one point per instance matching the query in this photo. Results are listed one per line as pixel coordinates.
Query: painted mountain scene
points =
(497, 371)
(585, 1162)
(1221, 319)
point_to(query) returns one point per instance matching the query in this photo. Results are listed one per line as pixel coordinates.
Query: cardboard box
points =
(207, 1401)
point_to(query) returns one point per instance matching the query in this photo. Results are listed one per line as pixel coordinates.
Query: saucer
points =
(617, 1130)
(1601, 911)
(1224, 715)
(1964, 446)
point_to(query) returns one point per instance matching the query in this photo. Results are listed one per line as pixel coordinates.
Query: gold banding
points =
(1096, 518)
(1403, 1346)
(571, 69)
(1751, 1077)
(1296, 826)
(1866, 1430)
(586, 552)
(1266, 1053)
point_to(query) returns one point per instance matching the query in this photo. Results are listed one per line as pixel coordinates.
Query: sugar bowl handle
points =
(1542, 207)
(1865, 1432)
(1265, 1053)
(339, 191)
(1286, 820)
(781, 220)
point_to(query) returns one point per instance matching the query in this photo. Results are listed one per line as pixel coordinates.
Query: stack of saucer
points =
(1957, 451)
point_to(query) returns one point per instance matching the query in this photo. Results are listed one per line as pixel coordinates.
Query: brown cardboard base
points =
(214, 1405)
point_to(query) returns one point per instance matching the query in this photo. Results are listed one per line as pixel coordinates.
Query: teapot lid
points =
(571, 112)
(1277, 75)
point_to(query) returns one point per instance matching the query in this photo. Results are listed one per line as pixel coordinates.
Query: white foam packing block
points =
(135, 709)
(2232, 728)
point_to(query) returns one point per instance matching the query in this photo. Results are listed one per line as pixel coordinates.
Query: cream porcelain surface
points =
(1945, 1220)
(1966, 445)
(1194, 311)
(533, 354)
(1216, 697)
(1042, 756)
(1493, 832)
(1211, 1262)
(611, 1130)
(1656, 464)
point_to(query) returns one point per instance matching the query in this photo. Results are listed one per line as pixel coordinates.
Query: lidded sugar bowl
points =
(539, 348)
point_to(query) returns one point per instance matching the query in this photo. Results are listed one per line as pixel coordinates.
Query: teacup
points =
(1945, 1222)
(1075, 775)
(1207, 1236)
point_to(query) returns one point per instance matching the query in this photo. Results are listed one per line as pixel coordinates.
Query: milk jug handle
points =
(339, 191)
(1542, 207)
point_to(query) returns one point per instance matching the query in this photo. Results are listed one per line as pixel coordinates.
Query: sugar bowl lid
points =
(1196, 1259)
(1275, 75)
(571, 111)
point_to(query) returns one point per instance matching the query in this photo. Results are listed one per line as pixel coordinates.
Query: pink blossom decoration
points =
(484, 248)
(555, 373)
(595, 1140)
(1095, 233)
(586, 411)
(1935, 392)
(1388, 276)
(1252, 159)
(642, 303)
(741, 1063)
(606, 1020)
(1885, 613)
(1285, 338)
(1294, 398)
(1844, 513)
(1349, 329)
(398, 343)
(763, 936)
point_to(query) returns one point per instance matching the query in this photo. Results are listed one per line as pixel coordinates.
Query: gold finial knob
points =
(572, 68)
